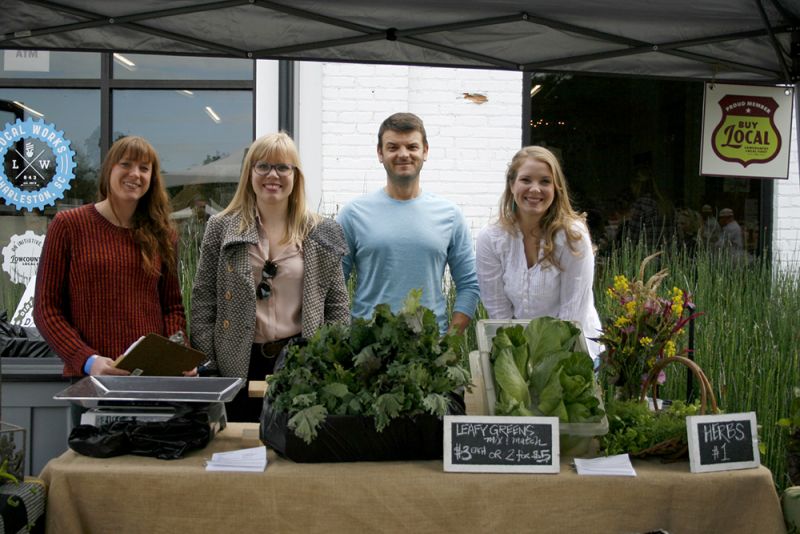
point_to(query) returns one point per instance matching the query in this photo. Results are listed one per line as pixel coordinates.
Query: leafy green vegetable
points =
(307, 420)
(385, 367)
(538, 371)
(546, 335)
(507, 374)
(634, 427)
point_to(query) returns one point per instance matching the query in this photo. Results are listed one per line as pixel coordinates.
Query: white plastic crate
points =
(575, 437)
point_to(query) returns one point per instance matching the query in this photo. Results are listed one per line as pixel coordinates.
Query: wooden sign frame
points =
(693, 423)
(494, 429)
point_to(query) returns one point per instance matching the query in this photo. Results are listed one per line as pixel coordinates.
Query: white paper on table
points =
(253, 459)
(617, 465)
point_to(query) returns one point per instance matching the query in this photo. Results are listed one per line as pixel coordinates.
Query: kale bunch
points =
(385, 367)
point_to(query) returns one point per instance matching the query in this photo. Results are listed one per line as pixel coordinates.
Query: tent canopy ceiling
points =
(726, 40)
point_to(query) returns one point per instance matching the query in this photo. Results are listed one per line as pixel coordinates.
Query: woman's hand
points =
(105, 366)
(193, 372)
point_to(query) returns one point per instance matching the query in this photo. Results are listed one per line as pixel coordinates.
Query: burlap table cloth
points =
(135, 494)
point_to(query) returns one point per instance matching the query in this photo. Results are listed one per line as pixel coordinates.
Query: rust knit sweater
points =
(93, 295)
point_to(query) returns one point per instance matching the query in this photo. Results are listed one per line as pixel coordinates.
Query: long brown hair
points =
(274, 148)
(559, 216)
(152, 228)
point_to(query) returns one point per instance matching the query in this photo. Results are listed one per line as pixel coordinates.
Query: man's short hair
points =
(402, 122)
(726, 212)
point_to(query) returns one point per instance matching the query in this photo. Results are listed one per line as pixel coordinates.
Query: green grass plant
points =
(747, 339)
(191, 237)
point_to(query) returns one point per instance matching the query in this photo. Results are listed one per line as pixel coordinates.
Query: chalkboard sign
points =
(722, 442)
(490, 444)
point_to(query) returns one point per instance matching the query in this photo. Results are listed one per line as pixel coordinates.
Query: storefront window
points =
(39, 64)
(631, 150)
(74, 114)
(200, 127)
(200, 137)
(151, 67)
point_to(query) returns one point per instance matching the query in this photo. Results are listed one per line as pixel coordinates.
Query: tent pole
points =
(794, 54)
(527, 83)
(775, 44)
(286, 96)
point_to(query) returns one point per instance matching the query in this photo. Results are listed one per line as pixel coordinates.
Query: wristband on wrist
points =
(87, 367)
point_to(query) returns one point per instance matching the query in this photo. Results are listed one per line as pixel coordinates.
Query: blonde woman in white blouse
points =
(537, 260)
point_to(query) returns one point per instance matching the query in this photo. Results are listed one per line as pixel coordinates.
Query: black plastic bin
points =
(350, 438)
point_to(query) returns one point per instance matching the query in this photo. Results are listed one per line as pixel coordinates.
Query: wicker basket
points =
(675, 448)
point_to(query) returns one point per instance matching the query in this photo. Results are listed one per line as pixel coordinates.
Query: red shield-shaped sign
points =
(746, 132)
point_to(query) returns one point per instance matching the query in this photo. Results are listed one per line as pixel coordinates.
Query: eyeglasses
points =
(268, 272)
(263, 168)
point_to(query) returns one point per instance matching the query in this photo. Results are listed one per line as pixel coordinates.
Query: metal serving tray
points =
(91, 390)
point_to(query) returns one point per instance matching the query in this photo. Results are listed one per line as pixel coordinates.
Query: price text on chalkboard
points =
(501, 444)
(722, 442)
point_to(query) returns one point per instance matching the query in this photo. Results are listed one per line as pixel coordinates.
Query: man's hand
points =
(459, 321)
(105, 366)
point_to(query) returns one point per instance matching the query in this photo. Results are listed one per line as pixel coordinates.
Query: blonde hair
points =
(273, 148)
(560, 215)
(152, 228)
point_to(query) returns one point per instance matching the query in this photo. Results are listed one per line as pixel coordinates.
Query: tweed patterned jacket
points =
(224, 296)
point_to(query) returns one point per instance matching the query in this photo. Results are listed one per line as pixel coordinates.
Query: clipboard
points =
(155, 355)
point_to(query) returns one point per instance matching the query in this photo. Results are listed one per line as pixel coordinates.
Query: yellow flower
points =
(677, 302)
(621, 283)
(621, 321)
(637, 307)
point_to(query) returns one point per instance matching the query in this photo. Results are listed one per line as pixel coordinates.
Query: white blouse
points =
(511, 290)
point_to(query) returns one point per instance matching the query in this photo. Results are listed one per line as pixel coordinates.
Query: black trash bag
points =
(22, 342)
(97, 442)
(7, 329)
(350, 438)
(167, 440)
(170, 440)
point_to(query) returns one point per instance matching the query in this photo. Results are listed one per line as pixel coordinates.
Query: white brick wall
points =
(470, 144)
(786, 216)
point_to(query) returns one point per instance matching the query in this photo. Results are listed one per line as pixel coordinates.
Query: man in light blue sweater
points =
(401, 238)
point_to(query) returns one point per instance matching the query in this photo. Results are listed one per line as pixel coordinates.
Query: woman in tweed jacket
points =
(269, 271)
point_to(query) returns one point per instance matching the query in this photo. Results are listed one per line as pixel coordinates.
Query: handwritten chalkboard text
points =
(501, 444)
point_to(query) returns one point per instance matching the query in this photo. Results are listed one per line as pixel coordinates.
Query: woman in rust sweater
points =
(108, 271)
